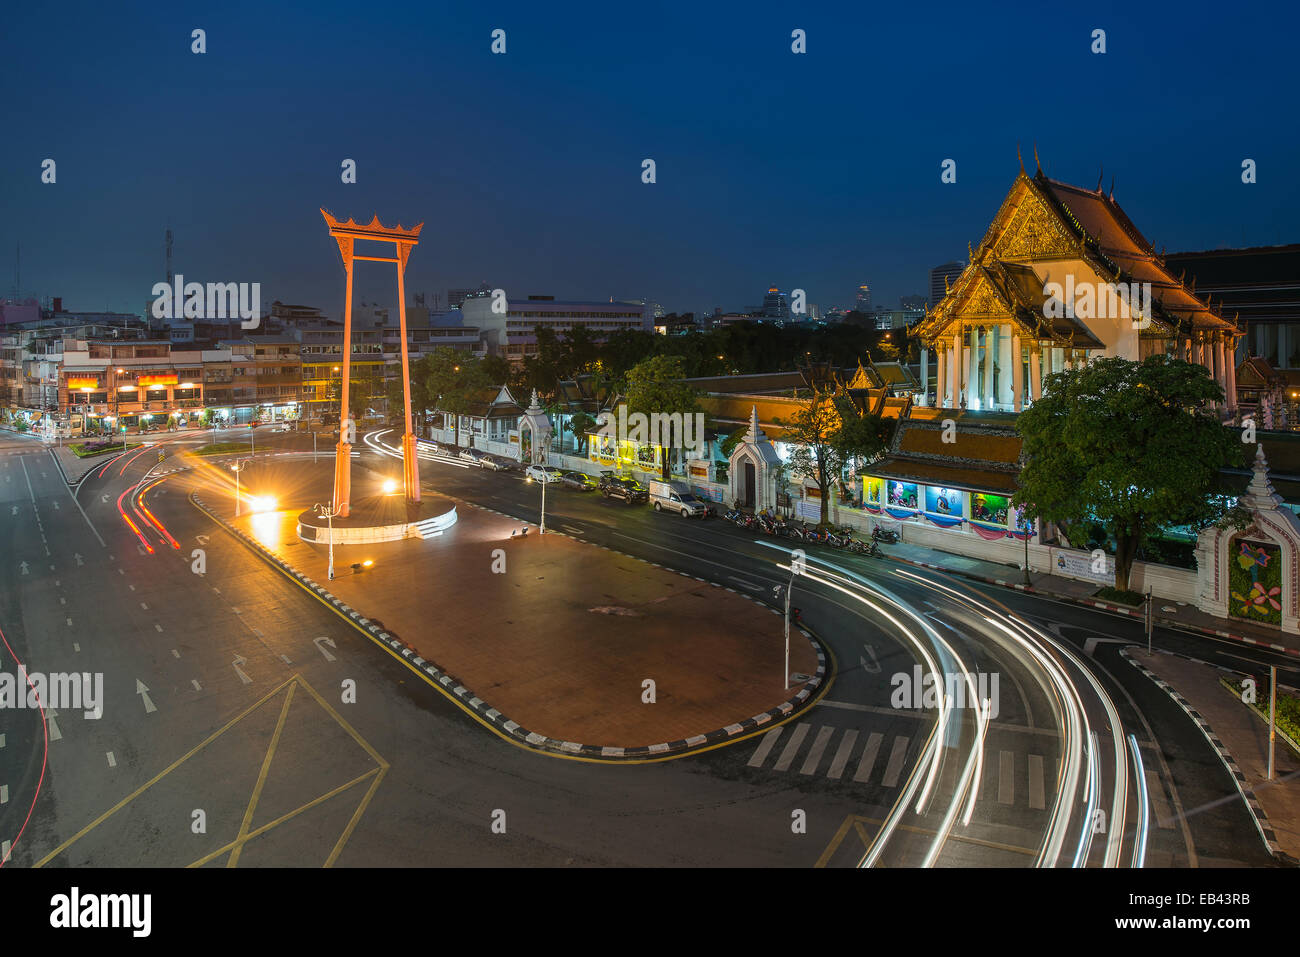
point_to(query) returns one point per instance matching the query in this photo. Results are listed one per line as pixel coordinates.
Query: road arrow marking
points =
(55, 503)
(328, 641)
(201, 539)
(78, 558)
(241, 660)
(874, 667)
(285, 659)
(55, 733)
(22, 566)
(104, 499)
(143, 692)
(15, 509)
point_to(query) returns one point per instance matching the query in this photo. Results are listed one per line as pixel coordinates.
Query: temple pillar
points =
(925, 376)
(940, 395)
(973, 381)
(1017, 375)
(989, 353)
(956, 371)
(1036, 372)
(1007, 377)
(1232, 381)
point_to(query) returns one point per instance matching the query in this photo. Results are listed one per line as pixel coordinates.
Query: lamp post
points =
(787, 589)
(329, 512)
(237, 468)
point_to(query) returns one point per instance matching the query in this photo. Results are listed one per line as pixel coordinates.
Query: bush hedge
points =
(1288, 706)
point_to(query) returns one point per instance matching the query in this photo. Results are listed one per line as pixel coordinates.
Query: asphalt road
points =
(245, 749)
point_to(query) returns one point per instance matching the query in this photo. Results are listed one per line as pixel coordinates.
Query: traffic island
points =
(562, 645)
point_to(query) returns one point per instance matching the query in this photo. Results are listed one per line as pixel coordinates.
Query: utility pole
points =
(1150, 618)
(1272, 716)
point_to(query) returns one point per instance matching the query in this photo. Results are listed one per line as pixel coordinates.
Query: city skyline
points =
(818, 206)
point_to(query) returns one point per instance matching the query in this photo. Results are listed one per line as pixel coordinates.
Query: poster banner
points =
(1079, 565)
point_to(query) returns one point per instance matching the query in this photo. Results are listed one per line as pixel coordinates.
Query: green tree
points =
(861, 437)
(453, 380)
(814, 431)
(1132, 446)
(580, 424)
(654, 386)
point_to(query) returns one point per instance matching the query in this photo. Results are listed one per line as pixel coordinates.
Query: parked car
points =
(676, 497)
(579, 480)
(493, 462)
(543, 473)
(471, 455)
(613, 487)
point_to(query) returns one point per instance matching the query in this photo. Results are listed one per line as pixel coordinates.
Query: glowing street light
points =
(389, 486)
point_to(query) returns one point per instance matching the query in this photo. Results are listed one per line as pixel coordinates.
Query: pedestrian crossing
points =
(1010, 778)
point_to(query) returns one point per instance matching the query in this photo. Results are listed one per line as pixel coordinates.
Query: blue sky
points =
(816, 171)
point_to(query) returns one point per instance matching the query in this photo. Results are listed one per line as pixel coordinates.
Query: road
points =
(245, 749)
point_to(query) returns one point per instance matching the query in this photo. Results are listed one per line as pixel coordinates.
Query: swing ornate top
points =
(373, 230)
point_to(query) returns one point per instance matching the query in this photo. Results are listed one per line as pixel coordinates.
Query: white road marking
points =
(241, 660)
(143, 692)
(1006, 777)
(842, 753)
(1036, 800)
(4, 794)
(197, 686)
(896, 757)
(157, 627)
(112, 761)
(55, 733)
(818, 749)
(791, 748)
(175, 653)
(144, 606)
(319, 647)
(745, 583)
(76, 647)
(764, 748)
(868, 760)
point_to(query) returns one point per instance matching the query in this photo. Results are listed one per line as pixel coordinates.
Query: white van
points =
(676, 497)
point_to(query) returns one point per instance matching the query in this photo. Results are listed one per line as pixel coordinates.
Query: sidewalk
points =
(1244, 739)
(556, 635)
(1168, 613)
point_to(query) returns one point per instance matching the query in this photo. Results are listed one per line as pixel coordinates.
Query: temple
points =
(1061, 277)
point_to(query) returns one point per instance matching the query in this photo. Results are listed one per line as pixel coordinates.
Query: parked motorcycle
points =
(887, 535)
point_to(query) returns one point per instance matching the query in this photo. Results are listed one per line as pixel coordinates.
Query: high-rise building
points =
(911, 302)
(950, 272)
(863, 302)
(455, 297)
(775, 305)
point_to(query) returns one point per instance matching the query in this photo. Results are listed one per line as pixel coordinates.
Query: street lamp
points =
(237, 468)
(543, 482)
(329, 512)
(787, 589)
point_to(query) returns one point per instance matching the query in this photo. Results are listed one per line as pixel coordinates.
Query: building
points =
(941, 277)
(1063, 276)
(775, 305)
(863, 301)
(912, 302)
(512, 334)
(1261, 286)
(456, 297)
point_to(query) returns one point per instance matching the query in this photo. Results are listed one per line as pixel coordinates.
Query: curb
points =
(531, 739)
(1243, 786)
(1099, 605)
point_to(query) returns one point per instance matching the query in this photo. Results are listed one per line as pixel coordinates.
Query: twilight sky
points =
(817, 171)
